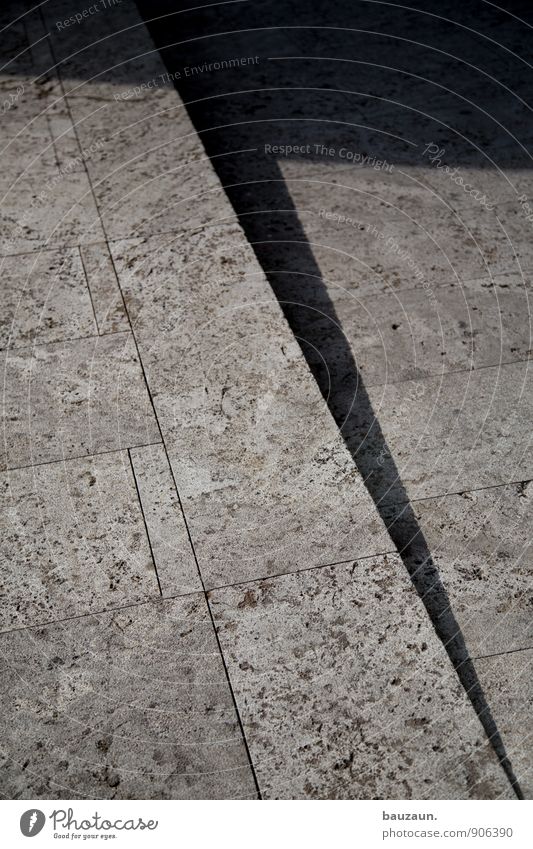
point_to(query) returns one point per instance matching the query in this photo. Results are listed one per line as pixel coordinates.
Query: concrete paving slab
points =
(418, 332)
(126, 705)
(56, 210)
(171, 548)
(507, 683)
(45, 299)
(70, 399)
(265, 480)
(80, 526)
(480, 541)
(436, 240)
(459, 432)
(28, 153)
(264, 476)
(500, 186)
(346, 693)
(133, 121)
(26, 100)
(140, 199)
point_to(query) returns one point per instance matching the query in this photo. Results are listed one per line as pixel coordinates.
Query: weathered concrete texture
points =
(415, 333)
(127, 705)
(74, 398)
(450, 434)
(265, 480)
(507, 683)
(170, 543)
(345, 691)
(480, 541)
(47, 211)
(45, 299)
(398, 228)
(141, 186)
(79, 525)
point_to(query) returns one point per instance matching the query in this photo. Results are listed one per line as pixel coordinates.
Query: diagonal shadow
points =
(330, 358)
(264, 207)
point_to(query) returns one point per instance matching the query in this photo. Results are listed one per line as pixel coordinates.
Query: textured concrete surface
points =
(133, 704)
(462, 431)
(232, 393)
(49, 218)
(74, 398)
(45, 299)
(507, 682)
(106, 298)
(482, 543)
(176, 567)
(80, 526)
(331, 714)
(173, 295)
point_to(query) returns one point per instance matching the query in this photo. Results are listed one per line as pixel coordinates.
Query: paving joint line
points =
(304, 569)
(145, 522)
(441, 374)
(39, 344)
(87, 456)
(464, 491)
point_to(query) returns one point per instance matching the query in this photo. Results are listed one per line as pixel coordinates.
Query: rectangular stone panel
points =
(73, 541)
(481, 543)
(345, 692)
(70, 399)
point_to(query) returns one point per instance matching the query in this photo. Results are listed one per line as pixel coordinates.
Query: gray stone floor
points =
(202, 596)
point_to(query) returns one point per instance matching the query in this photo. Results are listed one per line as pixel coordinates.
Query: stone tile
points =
(415, 333)
(126, 705)
(151, 118)
(45, 299)
(507, 683)
(105, 292)
(56, 210)
(115, 45)
(264, 478)
(140, 185)
(459, 432)
(499, 239)
(345, 692)
(498, 186)
(392, 193)
(377, 231)
(28, 153)
(480, 541)
(171, 548)
(384, 222)
(143, 197)
(74, 398)
(25, 103)
(79, 525)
